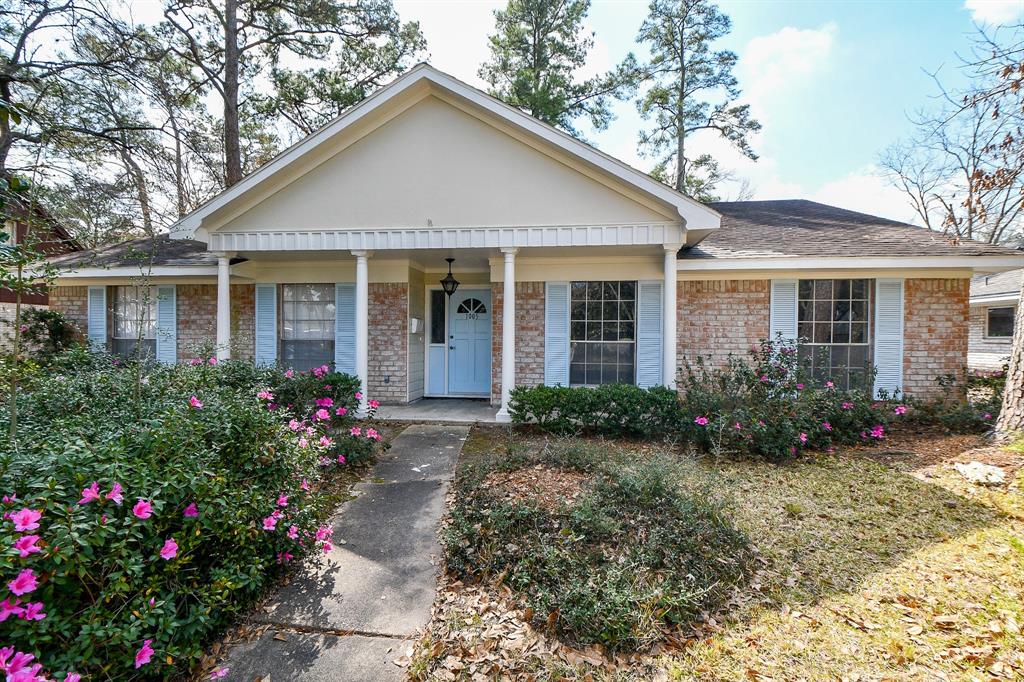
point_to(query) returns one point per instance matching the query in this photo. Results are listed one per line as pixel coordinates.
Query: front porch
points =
(446, 410)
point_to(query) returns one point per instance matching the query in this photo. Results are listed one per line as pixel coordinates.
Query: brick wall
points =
(389, 337)
(985, 353)
(529, 336)
(717, 318)
(73, 303)
(935, 320)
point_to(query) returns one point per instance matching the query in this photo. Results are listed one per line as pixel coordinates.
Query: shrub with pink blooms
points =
(768, 405)
(135, 522)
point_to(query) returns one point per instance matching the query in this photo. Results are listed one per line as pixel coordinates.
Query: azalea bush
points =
(768, 405)
(144, 506)
(610, 410)
(967, 403)
(641, 547)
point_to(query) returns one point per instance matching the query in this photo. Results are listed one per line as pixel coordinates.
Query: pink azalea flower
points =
(72, 677)
(359, 395)
(326, 442)
(305, 484)
(195, 402)
(324, 402)
(355, 431)
(289, 374)
(8, 609)
(213, 361)
(341, 411)
(799, 387)
(152, 602)
(191, 511)
(986, 416)
(303, 443)
(738, 426)
(270, 523)
(326, 547)
(33, 611)
(284, 557)
(282, 500)
(803, 437)
(219, 673)
(764, 379)
(26, 545)
(9, 498)
(374, 404)
(26, 519)
(371, 433)
(142, 509)
(322, 414)
(169, 550)
(90, 494)
(341, 459)
(829, 384)
(900, 409)
(294, 425)
(115, 495)
(265, 395)
(327, 387)
(25, 582)
(18, 666)
(195, 361)
(878, 432)
(293, 532)
(826, 426)
(847, 406)
(310, 431)
(323, 532)
(144, 655)
(701, 421)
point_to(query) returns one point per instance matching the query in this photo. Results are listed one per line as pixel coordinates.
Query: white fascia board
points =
(157, 271)
(977, 263)
(694, 214)
(995, 299)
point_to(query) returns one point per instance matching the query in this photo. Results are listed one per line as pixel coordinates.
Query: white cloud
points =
(994, 11)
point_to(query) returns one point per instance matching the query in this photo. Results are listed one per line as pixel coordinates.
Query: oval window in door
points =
(471, 309)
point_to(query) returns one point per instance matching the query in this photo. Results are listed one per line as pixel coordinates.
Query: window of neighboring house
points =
(307, 325)
(1000, 323)
(834, 326)
(134, 321)
(602, 333)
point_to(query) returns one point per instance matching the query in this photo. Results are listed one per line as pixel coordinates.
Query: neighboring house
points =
(573, 268)
(48, 236)
(993, 309)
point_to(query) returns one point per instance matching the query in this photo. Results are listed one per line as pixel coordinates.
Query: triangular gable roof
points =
(697, 218)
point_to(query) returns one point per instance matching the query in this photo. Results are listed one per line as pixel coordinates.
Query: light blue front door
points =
(469, 342)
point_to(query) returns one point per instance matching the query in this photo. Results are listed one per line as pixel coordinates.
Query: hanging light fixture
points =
(449, 283)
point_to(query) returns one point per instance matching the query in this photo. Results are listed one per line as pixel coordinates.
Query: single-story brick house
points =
(993, 302)
(573, 267)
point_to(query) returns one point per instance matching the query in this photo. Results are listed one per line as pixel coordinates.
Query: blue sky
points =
(832, 82)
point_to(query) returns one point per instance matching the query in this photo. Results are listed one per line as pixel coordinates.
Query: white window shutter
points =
(782, 310)
(166, 324)
(345, 327)
(266, 324)
(556, 334)
(888, 335)
(649, 335)
(96, 318)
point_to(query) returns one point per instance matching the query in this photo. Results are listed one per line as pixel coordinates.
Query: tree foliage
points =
(692, 89)
(537, 53)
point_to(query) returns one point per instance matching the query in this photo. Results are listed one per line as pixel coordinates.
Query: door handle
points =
(451, 347)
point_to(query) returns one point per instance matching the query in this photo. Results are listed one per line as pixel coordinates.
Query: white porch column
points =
(362, 326)
(508, 335)
(223, 306)
(669, 315)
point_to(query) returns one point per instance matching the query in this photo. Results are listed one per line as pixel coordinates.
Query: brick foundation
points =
(935, 320)
(389, 336)
(719, 318)
(529, 336)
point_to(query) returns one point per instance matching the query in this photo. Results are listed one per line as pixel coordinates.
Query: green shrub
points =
(234, 489)
(965, 404)
(769, 406)
(635, 552)
(47, 333)
(615, 410)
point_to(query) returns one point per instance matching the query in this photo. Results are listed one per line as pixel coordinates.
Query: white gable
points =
(437, 163)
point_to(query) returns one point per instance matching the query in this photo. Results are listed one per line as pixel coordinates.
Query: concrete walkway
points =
(444, 410)
(346, 618)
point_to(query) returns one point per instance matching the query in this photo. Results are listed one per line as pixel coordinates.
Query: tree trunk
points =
(232, 146)
(179, 179)
(142, 192)
(16, 370)
(1011, 417)
(681, 116)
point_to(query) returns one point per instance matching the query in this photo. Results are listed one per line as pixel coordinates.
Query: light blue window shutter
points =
(166, 324)
(556, 334)
(649, 334)
(96, 318)
(782, 309)
(266, 324)
(889, 335)
(345, 328)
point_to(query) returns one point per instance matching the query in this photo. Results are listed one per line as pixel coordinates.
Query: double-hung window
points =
(999, 322)
(835, 329)
(134, 321)
(602, 333)
(307, 325)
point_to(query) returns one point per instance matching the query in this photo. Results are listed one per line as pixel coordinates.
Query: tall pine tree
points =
(537, 52)
(693, 89)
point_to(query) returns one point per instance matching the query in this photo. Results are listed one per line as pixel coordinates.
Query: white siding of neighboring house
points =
(985, 353)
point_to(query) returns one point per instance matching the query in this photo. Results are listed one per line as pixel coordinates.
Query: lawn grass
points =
(869, 571)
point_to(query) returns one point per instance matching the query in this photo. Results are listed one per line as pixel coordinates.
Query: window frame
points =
(836, 372)
(988, 335)
(148, 339)
(619, 300)
(331, 334)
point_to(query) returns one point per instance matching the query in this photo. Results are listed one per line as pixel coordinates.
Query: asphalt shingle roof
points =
(796, 228)
(136, 253)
